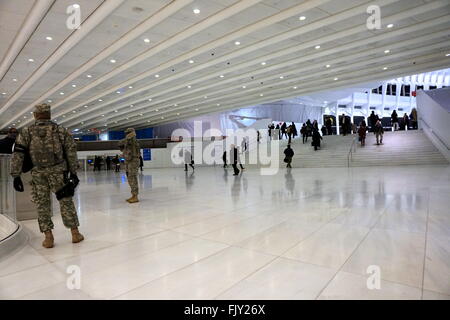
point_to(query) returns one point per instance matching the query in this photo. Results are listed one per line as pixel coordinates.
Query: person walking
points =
(379, 131)
(116, 162)
(316, 137)
(324, 131)
(329, 125)
(362, 133)
(289, 154)
(283, 130)
(53, 153)
(6, 144)
(405, 122)
(373, 118)
(234, 159)
(394, 120)
(294, 130)
(304, 133)
(141, 163)
(239, 158)
(108, 163)
(188, 160)
(344, 125)
(224, 159)
(131, 152)
(289, 131)
(413, 118)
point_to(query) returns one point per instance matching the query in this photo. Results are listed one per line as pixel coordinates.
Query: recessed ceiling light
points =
(162, 118)
(3, 93)
(261, 95)
(148, 120)
(89, 76)
(237, 43)
(49, 100)
(15, 80)
(196, 109)
(118, 92)
(302, 18)
(196, 11)
(156, 110)
(191, 61)
(76, 6)
(156, 75)
(103, 115)
(112, 61)
(222, 76)
(150, 99)
(335, 79)
(281, 77)
(317, 47)
(141, 114)
(294, 88)
(387, 51)
(61, 93)
(390, 25)
(64, 116)
(74, 111)
(146, 40)
(218, 104)
(100, 100)
(116, 111)
(49, 38)
(206, 97)
(189, 87)
(327, 66)
(178, 114)
(74, 86)
(130, 87)
(85, 106)
(263, 63)
(385, 68)
(243, 87)
(31, 60)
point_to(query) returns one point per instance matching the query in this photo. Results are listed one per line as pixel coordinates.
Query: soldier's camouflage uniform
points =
(131, 152)
(48, 170)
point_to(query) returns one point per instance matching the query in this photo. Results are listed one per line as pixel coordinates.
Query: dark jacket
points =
(288, 152)
(316, 137)
(6, 145)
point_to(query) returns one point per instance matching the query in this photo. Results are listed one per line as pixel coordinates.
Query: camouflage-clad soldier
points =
(131, 152)
(54, 155)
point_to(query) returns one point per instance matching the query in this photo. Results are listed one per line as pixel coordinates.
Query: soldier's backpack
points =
(46, 148)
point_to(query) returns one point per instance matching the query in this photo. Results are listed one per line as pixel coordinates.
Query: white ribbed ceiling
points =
(231, 54)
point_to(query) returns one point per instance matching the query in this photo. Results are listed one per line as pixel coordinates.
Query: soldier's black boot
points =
(76, 235)
(49, 240)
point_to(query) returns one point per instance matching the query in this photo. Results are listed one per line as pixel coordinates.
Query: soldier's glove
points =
(74, 178)
(18, 185)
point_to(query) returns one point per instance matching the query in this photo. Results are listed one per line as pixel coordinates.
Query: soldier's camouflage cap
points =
(42, 108)
(129, 130)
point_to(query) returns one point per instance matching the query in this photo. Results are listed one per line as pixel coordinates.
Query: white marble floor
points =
(303, 234)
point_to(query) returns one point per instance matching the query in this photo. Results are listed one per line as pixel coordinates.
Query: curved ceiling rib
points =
(264, 23)
(306, 69)
(133, 34)
(187, 33)
(401, 59)
(34, 17)
(98, 16)
(354, 80)
(226, 55)
(344, 33)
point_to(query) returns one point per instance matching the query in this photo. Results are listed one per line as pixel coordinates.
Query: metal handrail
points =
(350, 153)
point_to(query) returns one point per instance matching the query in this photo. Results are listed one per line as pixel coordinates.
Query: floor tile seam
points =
(172, 272)
(35, 266)
(132, 258)
(426, 242)
(354, 250)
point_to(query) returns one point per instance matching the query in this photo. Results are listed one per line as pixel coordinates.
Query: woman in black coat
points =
(316, 137)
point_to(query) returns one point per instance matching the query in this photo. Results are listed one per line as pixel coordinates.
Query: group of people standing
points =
(115, 161)
(282, 130)
(311, 130)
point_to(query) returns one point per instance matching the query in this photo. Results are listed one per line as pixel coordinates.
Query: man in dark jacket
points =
(373, 118)
(289, 154)
(316, 137)
(234, 159)
(394, 120)
(7, 143)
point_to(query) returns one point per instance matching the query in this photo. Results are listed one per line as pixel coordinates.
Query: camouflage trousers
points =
(43, 184)
(132, 169)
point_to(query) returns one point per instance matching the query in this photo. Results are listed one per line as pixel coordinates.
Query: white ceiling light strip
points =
(88, 25)
(34, 17)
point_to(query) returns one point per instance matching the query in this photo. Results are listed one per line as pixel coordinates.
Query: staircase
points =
(399, 148)
(333, 152)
